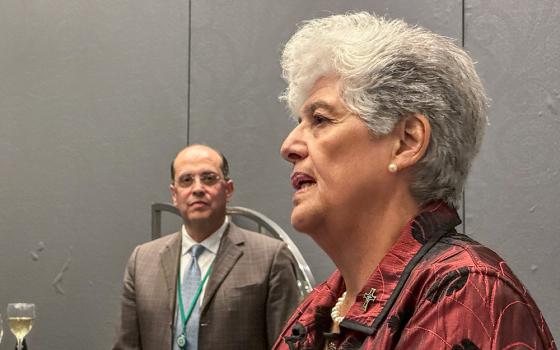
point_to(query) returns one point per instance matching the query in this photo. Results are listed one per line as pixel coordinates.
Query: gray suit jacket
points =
(250, 294)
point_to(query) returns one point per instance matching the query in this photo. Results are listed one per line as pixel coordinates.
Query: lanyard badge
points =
(182, 342)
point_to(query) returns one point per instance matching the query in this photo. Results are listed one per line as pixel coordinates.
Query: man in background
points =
(211, 285)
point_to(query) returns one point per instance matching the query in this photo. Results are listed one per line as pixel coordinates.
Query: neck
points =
(199, 231)
(357, 245)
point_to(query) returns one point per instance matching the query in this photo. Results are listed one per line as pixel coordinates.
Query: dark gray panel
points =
(235, 81)
(92, 109)
(512, 196)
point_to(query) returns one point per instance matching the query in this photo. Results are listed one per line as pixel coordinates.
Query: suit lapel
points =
(228, 254)
(169, 259)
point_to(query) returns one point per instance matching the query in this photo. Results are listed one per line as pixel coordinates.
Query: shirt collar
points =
(211, 243)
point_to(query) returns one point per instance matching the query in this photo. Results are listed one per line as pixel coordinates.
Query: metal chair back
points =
(244, 217)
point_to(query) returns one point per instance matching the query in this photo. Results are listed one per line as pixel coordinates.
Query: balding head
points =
(224, 166)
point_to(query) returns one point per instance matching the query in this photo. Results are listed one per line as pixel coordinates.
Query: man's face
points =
(199, 189)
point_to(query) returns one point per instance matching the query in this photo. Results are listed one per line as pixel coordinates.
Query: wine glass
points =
(20, 320)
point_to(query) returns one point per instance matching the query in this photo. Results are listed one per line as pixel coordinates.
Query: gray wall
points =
(92, 108)
(95, 100)
(513, 196)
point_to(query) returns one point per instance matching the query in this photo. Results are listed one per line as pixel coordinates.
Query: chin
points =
(298, 227)
(198, 217)
(303, 222)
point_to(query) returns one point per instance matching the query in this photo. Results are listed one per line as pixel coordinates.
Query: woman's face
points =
(339, 168)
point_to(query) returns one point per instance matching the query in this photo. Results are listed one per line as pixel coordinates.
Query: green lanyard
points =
(195, 299)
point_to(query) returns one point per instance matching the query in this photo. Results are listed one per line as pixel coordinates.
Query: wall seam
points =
(189, 72)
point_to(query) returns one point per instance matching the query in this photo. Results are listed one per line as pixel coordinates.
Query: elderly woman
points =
(389, 119)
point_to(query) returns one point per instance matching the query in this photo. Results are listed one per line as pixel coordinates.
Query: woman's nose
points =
(294, 148)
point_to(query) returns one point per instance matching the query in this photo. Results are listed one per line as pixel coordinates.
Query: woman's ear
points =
(413, 137)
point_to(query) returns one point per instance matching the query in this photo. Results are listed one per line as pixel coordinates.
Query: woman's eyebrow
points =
(311, 108)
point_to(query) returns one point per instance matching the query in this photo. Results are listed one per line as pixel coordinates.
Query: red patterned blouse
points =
(435, 289)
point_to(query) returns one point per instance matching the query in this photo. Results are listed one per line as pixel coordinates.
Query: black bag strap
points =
(397, 291)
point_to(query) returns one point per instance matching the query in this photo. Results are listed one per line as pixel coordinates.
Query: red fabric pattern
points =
(460, 296)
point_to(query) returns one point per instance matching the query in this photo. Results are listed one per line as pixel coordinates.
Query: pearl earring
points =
(392, 168)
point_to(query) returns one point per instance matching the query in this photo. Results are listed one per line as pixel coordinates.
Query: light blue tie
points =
(189, 285)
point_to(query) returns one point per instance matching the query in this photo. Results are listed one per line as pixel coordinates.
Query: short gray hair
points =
(390, 70)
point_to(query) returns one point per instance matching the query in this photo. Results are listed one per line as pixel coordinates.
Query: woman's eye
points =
(319, 119)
